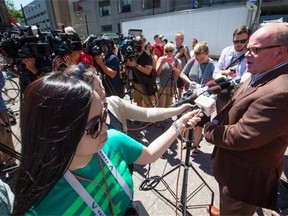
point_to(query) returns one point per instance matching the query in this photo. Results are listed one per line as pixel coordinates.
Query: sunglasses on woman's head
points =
(97, 123)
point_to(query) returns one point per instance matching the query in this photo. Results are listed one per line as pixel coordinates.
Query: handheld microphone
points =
(190, 99)
(215, 82)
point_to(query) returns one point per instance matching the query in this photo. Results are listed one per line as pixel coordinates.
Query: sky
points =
(23, 2)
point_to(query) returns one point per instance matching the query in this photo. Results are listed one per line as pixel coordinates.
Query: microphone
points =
(190, 98)
(215, 82)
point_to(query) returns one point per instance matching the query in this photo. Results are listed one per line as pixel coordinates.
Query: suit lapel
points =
(242, 93)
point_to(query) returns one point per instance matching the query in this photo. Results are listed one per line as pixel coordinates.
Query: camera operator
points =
(144, 92)
(109, 64)
(72, 53)
(30, 69)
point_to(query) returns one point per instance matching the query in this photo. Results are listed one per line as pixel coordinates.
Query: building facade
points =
(105, 16)
(4, 19)
(48, 14)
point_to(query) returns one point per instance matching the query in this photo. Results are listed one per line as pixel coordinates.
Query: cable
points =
(141, 128)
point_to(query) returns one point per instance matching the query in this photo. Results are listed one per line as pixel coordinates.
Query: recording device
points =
(206, 103)
(167, 60)
(96, 45)
(190, 97)
(22, 44)
(130, 48)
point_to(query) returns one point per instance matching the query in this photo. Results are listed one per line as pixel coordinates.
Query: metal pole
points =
(25, 20)
(87, 30)
(257, 16)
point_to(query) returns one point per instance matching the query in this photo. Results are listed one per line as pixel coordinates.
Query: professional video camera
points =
(130, 48)
(22, 43)
(63, 43)
(96, 45)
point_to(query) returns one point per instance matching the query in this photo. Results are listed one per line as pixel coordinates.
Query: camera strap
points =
(239, 59)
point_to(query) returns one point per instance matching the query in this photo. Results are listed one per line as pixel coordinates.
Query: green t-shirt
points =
(63, 200)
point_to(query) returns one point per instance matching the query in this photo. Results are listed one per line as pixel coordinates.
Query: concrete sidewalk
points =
(159, 200)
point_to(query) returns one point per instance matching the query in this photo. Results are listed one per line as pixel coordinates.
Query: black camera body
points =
(96, 45)
(130, 48)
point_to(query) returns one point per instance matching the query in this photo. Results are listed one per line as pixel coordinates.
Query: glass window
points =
(148, 4)
(124, 6)
(106, 28)
(77, 6)
(104, 7)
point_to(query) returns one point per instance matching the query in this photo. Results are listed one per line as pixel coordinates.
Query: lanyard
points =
(75, 184)
(116, 174)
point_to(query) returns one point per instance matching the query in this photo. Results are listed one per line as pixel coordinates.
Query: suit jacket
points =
(251, 138)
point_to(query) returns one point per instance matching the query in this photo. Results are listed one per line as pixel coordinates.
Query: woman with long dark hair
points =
(71, 164)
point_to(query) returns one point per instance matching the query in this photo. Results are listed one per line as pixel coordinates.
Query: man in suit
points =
(250, 133)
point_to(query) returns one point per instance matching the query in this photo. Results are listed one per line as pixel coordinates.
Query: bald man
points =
(250, 134)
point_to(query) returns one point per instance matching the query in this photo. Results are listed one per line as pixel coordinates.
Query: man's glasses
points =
(240, 41)
(256, 50)
(167, 51)
(97, 123)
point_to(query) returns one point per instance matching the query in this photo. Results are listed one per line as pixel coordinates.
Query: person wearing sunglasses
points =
(71, 163)
(232, 63)
(168, 69)
(119, 109)
(250, 133)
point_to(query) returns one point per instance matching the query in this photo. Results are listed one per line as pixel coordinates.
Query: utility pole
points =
(86, 23)
(25, 20)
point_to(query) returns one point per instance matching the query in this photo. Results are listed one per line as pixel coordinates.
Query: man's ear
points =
(283, 50)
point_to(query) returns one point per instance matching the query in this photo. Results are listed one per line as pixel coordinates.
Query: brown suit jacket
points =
(251, 138)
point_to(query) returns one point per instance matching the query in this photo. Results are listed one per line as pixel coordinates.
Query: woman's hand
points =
(189, 120)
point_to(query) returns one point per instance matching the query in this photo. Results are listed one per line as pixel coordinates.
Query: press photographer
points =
(68, 49)
(144, 81)
(29, 53)
(101, 49)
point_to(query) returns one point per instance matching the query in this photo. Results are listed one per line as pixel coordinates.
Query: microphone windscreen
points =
(219, 80)
(224, 85)
(214, 89)
(211, 83)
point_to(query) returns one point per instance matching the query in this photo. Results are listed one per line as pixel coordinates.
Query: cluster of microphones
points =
(205, 97)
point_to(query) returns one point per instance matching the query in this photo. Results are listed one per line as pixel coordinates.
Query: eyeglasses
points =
(167, 51)
(256, 50)
(240, 41)
(97, 123)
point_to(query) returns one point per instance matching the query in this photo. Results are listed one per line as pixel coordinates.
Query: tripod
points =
(152, 182)
(173, 87)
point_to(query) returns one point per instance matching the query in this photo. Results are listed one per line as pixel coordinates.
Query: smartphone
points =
(168, 60)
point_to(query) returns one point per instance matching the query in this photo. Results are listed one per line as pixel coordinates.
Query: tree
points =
(17, 15)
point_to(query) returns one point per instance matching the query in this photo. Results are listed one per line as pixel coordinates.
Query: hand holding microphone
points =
(188, 120)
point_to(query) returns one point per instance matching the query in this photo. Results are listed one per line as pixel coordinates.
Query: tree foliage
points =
(17, 15)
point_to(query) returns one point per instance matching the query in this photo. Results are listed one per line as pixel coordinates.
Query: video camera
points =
(96, 45)
(23, 44)
(130, 48)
